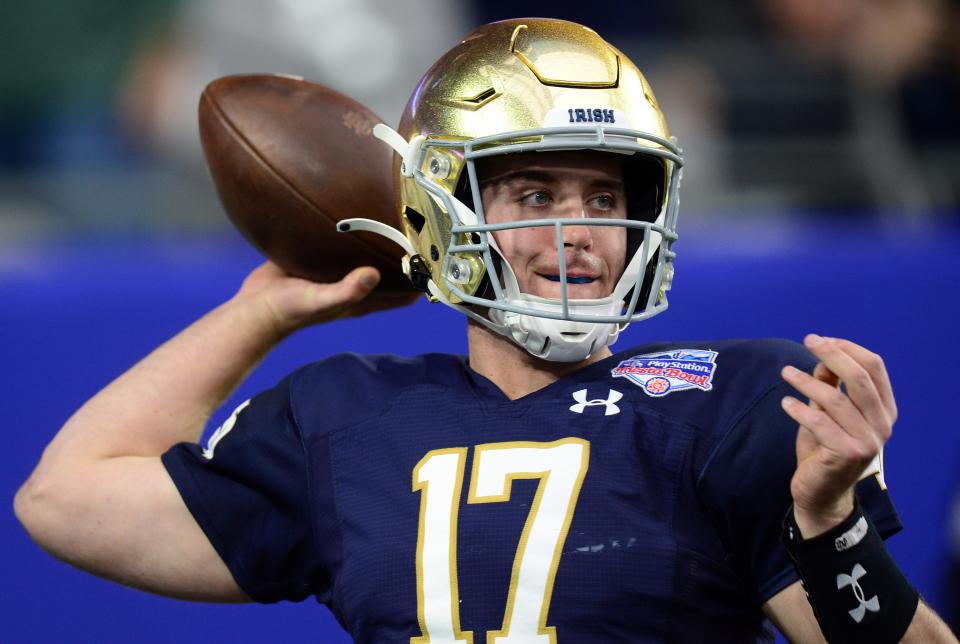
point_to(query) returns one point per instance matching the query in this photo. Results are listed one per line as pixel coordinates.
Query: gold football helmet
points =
(524, 85)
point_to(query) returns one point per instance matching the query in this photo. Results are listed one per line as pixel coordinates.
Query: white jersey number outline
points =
(561, 466)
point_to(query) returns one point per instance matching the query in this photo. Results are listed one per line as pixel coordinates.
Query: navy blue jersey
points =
(638, 499)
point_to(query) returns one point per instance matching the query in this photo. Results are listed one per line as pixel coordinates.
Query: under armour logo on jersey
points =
(609, 404)
(853, 579)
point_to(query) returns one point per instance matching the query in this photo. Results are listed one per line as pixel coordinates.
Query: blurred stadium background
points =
(822, 193)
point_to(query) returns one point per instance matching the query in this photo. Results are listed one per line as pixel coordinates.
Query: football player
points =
(542, 489)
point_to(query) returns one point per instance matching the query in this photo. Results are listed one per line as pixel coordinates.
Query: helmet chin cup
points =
(555, 340)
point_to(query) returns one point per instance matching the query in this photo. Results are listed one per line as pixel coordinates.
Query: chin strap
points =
(408, 151)
(380, 228)
(411, 264)
(408, 154)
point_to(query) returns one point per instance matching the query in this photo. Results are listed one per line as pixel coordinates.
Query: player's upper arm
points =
(123, 519)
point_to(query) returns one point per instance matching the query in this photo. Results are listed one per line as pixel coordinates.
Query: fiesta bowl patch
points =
(659, 374)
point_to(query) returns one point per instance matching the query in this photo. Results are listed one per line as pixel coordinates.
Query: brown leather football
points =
(290, 159)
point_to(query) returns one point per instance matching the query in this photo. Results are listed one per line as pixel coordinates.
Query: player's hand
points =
(286, 303)
(840, 432)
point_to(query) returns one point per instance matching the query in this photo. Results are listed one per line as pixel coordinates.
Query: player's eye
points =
(603, 202)
(538, 198)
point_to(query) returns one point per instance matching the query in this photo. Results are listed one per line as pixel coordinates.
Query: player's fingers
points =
(381, 303)
(355, 286)
(860, 388)
(831, 400)
(843, 451)
(875, 366)
(362, 280)
(806, 442)
(821, 373)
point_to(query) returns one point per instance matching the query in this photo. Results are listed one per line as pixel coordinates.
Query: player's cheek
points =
(507, 243)
(615, 244)
(513, 248)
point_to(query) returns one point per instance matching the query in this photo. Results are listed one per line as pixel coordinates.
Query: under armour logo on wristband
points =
(853, 579)
(609, 404)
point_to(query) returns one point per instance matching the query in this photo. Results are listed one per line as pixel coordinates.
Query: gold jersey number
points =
(560, 465)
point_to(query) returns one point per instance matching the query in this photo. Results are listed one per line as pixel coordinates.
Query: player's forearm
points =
(100, 497)
(164, 399)
(927, 627)
(168, 396)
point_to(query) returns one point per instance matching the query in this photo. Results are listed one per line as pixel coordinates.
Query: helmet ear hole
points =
(645, 178)
(463, 193)
(416, 220)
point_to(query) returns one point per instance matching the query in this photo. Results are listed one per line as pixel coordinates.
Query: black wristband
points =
(857, 592)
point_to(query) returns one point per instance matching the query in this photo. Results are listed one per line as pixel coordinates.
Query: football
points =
(290, 158)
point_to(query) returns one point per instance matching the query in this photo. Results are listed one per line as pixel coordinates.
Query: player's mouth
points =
(571, 279)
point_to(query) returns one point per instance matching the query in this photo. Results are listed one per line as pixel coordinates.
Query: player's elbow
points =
(25, 505)
(28, 505)
(40, 505)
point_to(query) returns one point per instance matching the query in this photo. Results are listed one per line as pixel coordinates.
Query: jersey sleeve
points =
(746, 488)
(249, 491)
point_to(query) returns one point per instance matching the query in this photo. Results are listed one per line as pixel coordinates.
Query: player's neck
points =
(513, 370)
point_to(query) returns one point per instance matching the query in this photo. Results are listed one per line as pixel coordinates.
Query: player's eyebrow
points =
(549, 178)
(613, 185)
(513, 176)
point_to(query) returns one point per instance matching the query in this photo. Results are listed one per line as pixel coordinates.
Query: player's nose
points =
(576, 234)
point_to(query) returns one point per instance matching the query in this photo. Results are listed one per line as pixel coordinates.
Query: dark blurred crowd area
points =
(845, 107)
